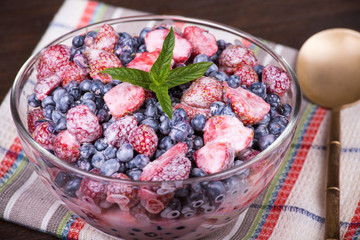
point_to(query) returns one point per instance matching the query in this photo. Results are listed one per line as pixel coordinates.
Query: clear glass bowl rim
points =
(220, 175)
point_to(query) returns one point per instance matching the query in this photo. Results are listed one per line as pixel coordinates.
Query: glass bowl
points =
(189, 210)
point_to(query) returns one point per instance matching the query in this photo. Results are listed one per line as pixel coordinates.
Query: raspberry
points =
(34, 116)
(83, 124)
(144, 140)
(44, 136)
(201, 40)
(233, 55)
(67, 147)
(247, 74)
(276, 80)
(117, 132)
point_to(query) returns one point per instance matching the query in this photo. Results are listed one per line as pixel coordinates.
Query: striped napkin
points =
(291, 207)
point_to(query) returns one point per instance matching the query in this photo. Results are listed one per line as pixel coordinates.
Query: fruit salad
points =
(108, 125)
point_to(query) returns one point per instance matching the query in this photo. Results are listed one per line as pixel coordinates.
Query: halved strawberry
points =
(32, 117)
(106, 39)
(203, 92)
(276, 80)
(120, 193)
(45, 85)
(144, 61)
(98, 61)
(171, 165)
(83, 124)
(249, 107)
(191, 112)
(228, 129)
(215, 157)
(246, 73)
(67, 147)
(124, 98)
(144, 140)
(117, 133)
(153, 202)
(201, 40)
(247, 154)
(91, 191)
(44, 136)
(233, 55)
(74, 72)
(54, 59)
(154, 41)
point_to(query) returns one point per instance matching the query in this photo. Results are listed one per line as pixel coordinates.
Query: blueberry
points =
(188, 211)
(182, 192)
(219, 75)
(215, 57)
(198, 122)
(180, 131)
(139, 116)
(134, 174)
(266, 141)
(85, 85)
(123, 168)
(196, 199)
(84, 164)
(61, 179)
(154, 124)
(98, 159)
(110, 152)
(103, 115)
(277, 125)
(201, 58)
(33, 101)
(197, 172)
(109, 167)
(140, 161)
(65, 102)
(72, 186)
(285, 110)
(143, 34)
(166, 143)
(60, 124)
(99, 102)
(159, 152)
(234, 81)
(142, 48)
(91, 104)
(258, 88)
(126, 58)
(179, 115)
(221, 44)
(80, 59)
(198, 142)
(227, 110)
(216, 191)
(208, 207)
(273, 99)
(78, 41)
(87, 150)
(259, 70)
(125, 153)
(88, 96)
(260, 131)
(265, 120)
(189, 142)
(150, 111)
(101, 144)
(272, 112)
(96, 87)
(124, 35)
(48, 111)
(56, 115)
(159, 108)
(58, 93)
(48, 100)
(216, 108)
(164, 126)
(172, 210)
(73, 88)
(126, 45)
(92, 34)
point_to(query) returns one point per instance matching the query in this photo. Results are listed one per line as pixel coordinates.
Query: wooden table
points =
(23, 22)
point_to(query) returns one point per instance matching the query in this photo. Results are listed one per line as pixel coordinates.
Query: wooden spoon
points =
(328, 69)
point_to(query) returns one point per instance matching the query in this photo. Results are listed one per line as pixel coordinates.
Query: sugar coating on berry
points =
(67, 147)
(236, 54)
(45, 85)
(276, 80)
(144, 140)
(55, 58)
(117, 133)
(246, 73)
(201, 40)
(32, 117)
(120, 193)
(44, 136)
(106, 39)
(74, 72)
(144, 61)
(83, 124)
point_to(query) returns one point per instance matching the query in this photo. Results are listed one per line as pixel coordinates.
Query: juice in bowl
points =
(156, 127)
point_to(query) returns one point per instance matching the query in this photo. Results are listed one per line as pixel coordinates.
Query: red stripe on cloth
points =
(293, 174)
(10, 157)
(75, 229)
(87, 14)
(354, 224)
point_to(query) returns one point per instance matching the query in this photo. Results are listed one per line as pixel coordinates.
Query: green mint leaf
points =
(161, 67)
(162, 94)
(186, 74)
(130, 75)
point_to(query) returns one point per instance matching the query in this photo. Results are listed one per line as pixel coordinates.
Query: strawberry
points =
(191, 112)
(106, 39)
(215, 157)
(83, 124)
(201, 40)
(249, 107)
(154, 41)
(91, 191)
(144, 61)
(228, 129)
(233, 55)
(43, 135)
(276, 80)
(246, 73)
(32, 117)
(45, 85)
(124, 98)
(171, 165)
(74, 72)
(120, 193)
(43, 70)
(153, 202)
(144, 140)
(203, 92)
(98, 61)
(247, 154)
(117, 132)
(67, 147)
(53, 59)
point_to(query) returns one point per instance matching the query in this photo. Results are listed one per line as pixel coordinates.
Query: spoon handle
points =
(332, 221)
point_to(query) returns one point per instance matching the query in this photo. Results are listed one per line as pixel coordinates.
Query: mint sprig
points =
(160, 78)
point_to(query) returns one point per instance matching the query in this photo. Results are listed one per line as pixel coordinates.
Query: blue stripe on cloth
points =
(285, 173)
(69, 223)
(19, 158)
(94, 17)
(61, 25)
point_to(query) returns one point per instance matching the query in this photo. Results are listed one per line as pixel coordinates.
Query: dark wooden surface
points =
(23, 22)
